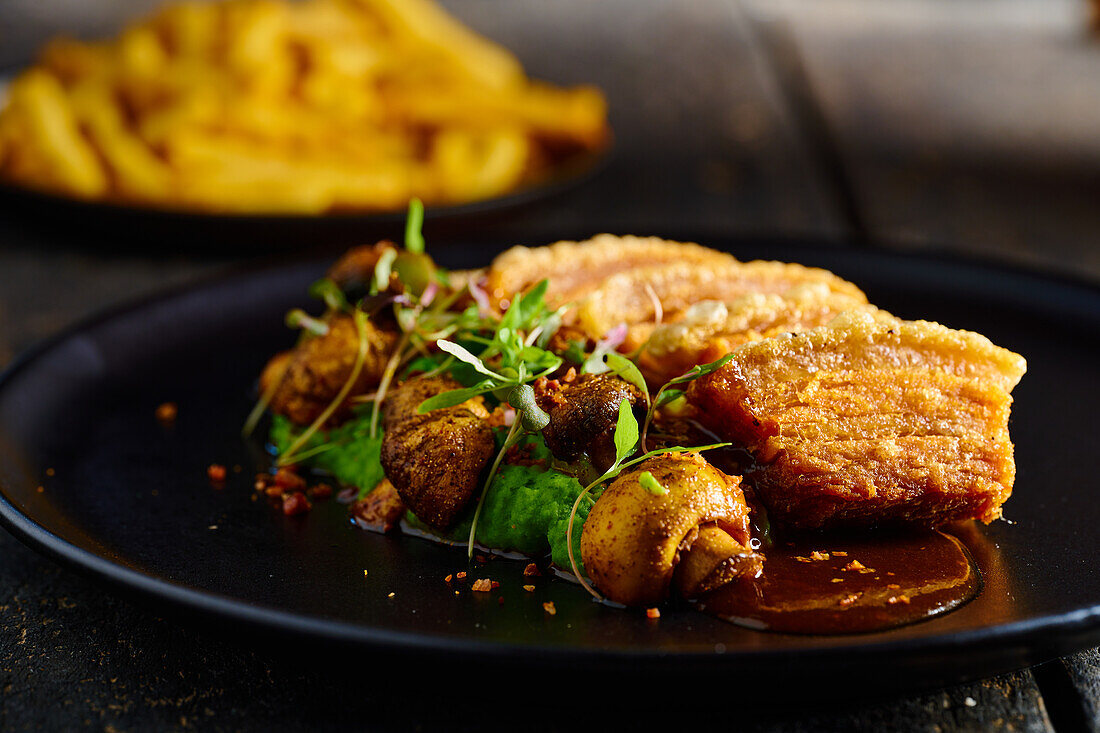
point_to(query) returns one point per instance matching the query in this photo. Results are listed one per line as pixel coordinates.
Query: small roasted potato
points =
(435, 462)
(309, 377)
(583, 414)
(640, 526)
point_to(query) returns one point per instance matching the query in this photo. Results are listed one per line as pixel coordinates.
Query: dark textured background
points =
(911, 123)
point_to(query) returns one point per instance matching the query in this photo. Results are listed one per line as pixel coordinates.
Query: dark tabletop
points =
(893, 124)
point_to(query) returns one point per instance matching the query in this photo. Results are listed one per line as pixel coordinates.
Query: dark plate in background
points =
(129, 501)
(154, 229)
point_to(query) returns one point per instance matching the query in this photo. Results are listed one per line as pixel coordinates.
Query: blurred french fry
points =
(68, 162)
(303, 107)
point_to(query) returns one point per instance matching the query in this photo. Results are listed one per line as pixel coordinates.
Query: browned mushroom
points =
(684, 513)
(308, 378)
(435, 460)
(583, 414)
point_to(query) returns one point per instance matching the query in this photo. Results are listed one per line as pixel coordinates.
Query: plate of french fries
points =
(275, 108)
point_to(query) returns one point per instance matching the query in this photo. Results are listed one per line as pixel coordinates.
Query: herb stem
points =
(513, 437)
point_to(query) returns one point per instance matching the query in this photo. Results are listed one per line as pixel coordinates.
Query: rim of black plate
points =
(1058, 632)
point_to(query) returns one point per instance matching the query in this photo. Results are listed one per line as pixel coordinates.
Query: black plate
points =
(151, 228)
(129, 502)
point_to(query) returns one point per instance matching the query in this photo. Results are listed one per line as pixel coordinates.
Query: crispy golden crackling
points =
(709, 330)
(870, 420)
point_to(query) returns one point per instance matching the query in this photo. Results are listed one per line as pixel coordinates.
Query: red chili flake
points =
(531, 571)
(495, 585)
(167, 412)
(482, 585)
(296, 503)
(216, 472)
(320, 491)
(287, 479)
(549, 608)
(653, 613)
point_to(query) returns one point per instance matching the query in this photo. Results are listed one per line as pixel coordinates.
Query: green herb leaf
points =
(668, 396)
(701, 370)
(626, 432)
(414, 223)
(650, 484)
(454, 397)
(628, 371)
(464, 355)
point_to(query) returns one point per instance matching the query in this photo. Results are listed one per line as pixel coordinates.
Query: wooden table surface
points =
(969, 125)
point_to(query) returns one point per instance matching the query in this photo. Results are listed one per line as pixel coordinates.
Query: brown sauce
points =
(850, 584)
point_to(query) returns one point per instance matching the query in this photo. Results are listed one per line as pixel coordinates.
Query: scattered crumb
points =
(449, 578)
(837, 580)
(970, 702)
(529, 588)
(849, 599)
(549, 608)
(320, 491)
(893, 586)
(364, 572)
(50, 472)
(531, 571)
(296, 503)
(898, 599)
(216, 472)
(461, 575)
(285, 478)
(854, 565)
(212, 526)
(838, 553)
(482, 585)
(41, 489)
(456, 592)
(800, 558)
(391, 594)
(167, 412)
(818, 555)
(653, 613)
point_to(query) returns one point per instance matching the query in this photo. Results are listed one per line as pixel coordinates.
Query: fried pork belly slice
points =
(870, 421)
(310, 376)
(641, 296)
(709, 330)
(575, 268)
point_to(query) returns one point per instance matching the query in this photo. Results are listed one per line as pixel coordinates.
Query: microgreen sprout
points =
(668, 393)
(652, 485)
(298, 318)
(414, 239)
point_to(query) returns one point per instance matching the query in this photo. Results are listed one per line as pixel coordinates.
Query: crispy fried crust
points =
(709, 330)
(574, 268)
(311, 375)
(870, 420)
